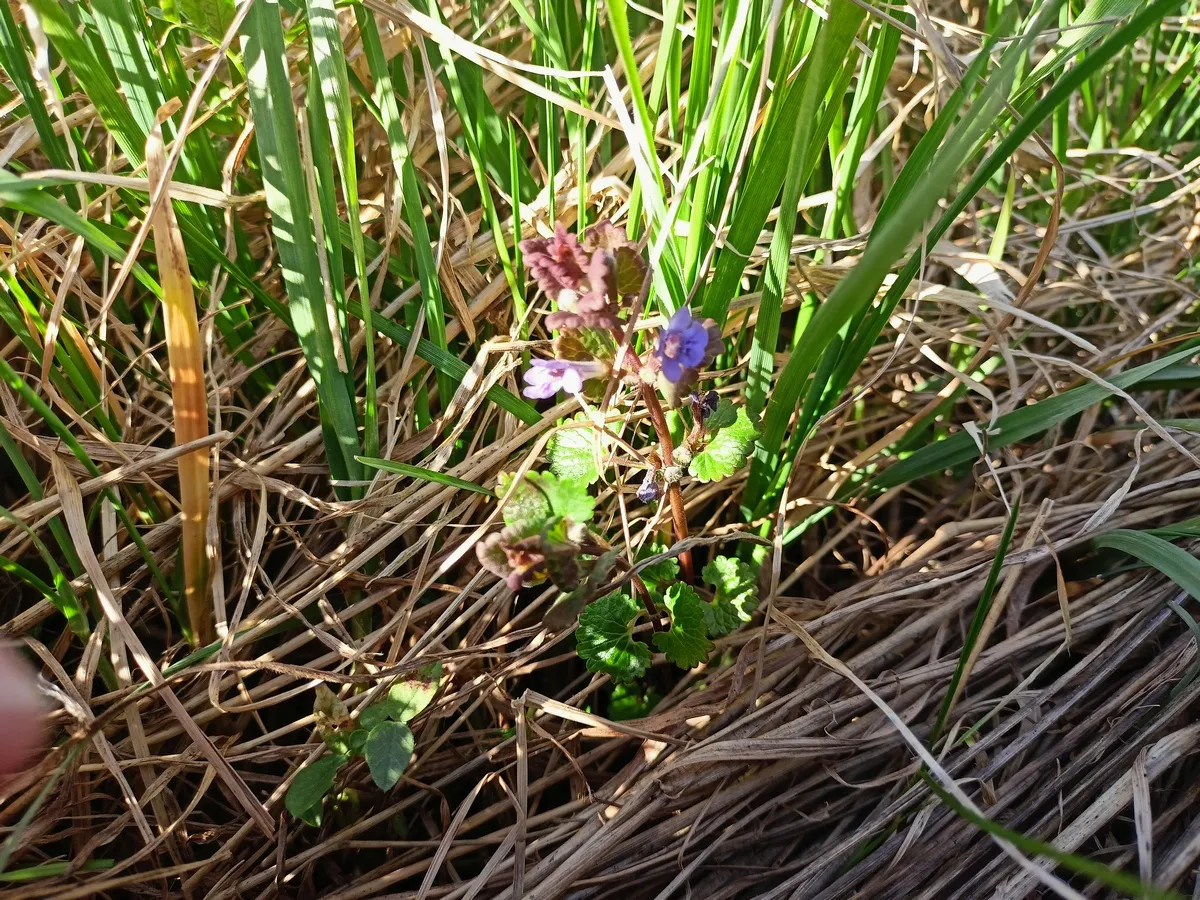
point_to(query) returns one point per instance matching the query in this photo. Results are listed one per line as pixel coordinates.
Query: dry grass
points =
(764, 774)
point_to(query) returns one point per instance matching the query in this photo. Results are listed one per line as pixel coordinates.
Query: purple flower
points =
(649, 490)
(546, 377)
(686, 344)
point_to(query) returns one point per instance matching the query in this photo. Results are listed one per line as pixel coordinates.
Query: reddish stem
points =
(629, 360)
(674, 495)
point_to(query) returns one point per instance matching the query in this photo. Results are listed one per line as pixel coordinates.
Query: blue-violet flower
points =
(685, 345)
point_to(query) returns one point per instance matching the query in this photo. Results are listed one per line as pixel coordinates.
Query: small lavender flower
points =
(686, 344)
(546, 377)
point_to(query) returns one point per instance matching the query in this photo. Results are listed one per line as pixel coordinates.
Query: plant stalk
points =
(674, 495)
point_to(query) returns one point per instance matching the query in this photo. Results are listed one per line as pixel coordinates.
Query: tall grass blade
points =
(833, 40)
(292, 225)
(957, 680)
(414, 206)
(1176, 563)
(1018, 424)
(1127, 884)
(15, 63)
(329, 56)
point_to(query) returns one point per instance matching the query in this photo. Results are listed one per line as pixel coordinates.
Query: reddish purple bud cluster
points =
(584, 279)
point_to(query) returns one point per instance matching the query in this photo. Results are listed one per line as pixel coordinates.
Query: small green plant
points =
(599, 284)
(380, 735)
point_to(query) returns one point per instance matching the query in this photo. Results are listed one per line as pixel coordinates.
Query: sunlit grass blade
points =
(330, 59)
(768, 169)
(1018, 424)
(93, 77)
(16, 64)
(189, 399)
(833, 41)
(1176, 563)
(477, 117)
(664, 255)
(292, 224)
(414, 207)
(399, 468)
(1093, 22)
(1055, 96)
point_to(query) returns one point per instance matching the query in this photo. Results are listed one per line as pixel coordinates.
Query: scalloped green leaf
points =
(735, 594)
(727, 450)
(663, 573)
(389, 750)
(722, 417)
(568, 498)
(527, 510)
(604, 639)
(687, 643)
(572, 455)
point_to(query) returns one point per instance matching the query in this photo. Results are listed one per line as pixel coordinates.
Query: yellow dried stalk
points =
(188, 396)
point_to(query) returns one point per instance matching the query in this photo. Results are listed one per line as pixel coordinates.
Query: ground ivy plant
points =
(599, 284)
(380, 735)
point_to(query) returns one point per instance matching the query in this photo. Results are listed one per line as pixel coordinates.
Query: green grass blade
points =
(329, 56)
(414, 215)
(119, 23)
(1174, 562)
(47, 415)
(1092, 23)
(16, 64)
(981, 612)
(31, 199)
(1058, 94)
(765, 177)
(54, 869)
(1163, 93)
(887, 242)
(1017, 425)
(400, 468)
(452, 367)
(292, 226)
(94, 78)
(1080, 865)
(833, 41)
